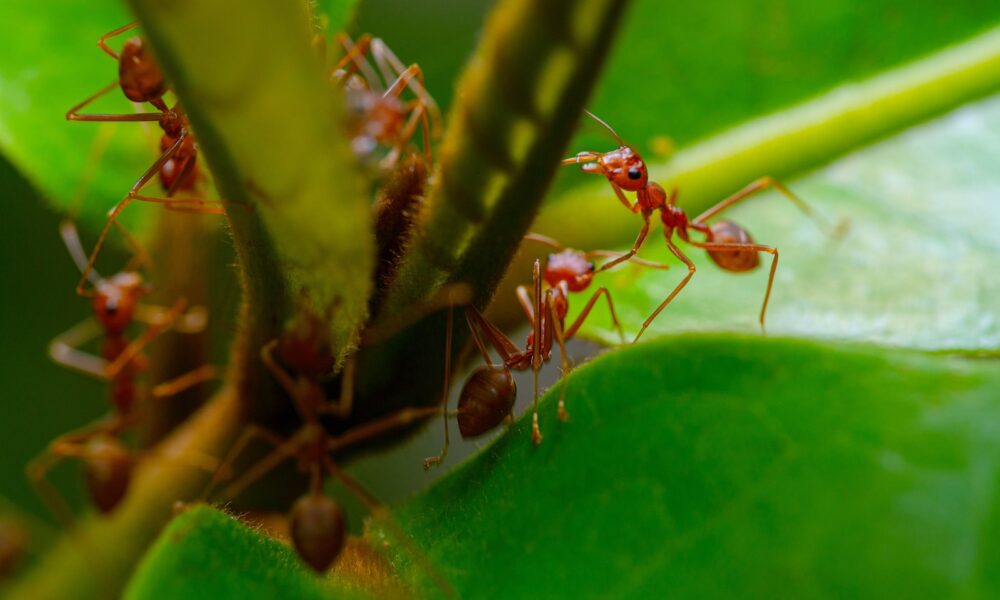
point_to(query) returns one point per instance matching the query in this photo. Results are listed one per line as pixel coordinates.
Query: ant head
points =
(318, 530)
(305, 345)
(138, 74)
(624, 168)
(115, 299)
(571, 268)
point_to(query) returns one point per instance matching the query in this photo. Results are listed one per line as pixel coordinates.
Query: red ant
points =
(141, 80)
(299, 360)
(377, 114)
(728, 244)
(116, 302)
(487, 397)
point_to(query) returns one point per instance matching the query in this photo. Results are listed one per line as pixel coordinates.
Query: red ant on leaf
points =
(300, 360)
(729, 245)
(141, 80)
(116, 302)
(377, 113)
(487, 398)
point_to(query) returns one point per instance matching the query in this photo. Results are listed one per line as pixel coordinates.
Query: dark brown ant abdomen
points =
(140, 77)
(107, 472)
(487, 398)
(318, 530)
(727, 232)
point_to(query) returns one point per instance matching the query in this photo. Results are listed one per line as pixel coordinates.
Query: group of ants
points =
(387, 103)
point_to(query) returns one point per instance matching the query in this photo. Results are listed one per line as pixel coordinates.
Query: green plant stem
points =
(269, 124)
(96, 559)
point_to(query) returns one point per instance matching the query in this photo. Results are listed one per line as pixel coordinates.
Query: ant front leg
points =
(635, 247)
(137, 345)
(103, 42)
(354, 60)
(578, 322)
(691, 270)
(749, 248)
(342, 406)
(391, 67)
(536, 348)
(561, 338)
(64, 350)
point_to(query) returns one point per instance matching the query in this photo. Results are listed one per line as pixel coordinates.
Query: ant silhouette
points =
(141, 80)
(116, 303)
(487, 398)
(300, 359)
(729, 245)
(377, 114)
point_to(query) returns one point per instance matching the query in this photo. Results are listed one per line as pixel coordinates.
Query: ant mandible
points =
(116, 303)
(141, 80)
(377, 113)
(729, 245)
(300, 360)
(488, 395)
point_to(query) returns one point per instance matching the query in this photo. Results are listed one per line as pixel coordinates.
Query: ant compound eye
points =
(634, 173)
(111, 307)
(591, 266)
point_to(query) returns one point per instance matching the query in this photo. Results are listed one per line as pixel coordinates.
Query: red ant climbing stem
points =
(488, 395)
(728, 244)
(378, 114)
(141, 80)
(116, 302)
(299, 360)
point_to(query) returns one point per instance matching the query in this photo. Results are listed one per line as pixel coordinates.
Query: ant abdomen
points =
(318, 530)
(107, 471)
(727, 232)
(487, 398)
(140, 77)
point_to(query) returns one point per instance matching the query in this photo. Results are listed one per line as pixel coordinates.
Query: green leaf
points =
(204, 553)
(722, 466)
(911, 270)
(48, 67)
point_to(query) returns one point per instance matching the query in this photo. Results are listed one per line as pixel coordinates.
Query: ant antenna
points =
(621, 142)
(71, 238)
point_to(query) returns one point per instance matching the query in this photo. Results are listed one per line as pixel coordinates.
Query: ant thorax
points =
(569, 267)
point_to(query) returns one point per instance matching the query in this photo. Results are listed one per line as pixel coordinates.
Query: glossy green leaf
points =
(221, 558)
(727, 466)
(914, 269)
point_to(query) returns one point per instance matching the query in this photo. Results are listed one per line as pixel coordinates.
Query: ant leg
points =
(342, 406)
(439, 458)
(760, 185)
(572, 329)
(250, 433)
(691, 270)
(64, 350)
(185, 381)
(353, 60)
(480, 328)
(526, 302)
(279, 373)
(396, 420)
(113, 214)
(380, 512)
(563, 355)
(136, 346)
(635, 247)
(73, 114)
(751, 248)
(193, 321)
(280, 454)
(103, 45)
(536, 349)
(634, 259)
(39, 467)
(387, 62)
